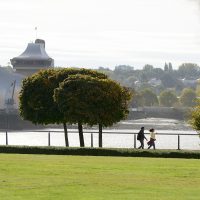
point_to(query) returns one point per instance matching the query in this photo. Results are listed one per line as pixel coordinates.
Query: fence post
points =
(92, 140)
(6, 138)
(178, 142)
(100, 136)
(134, 141)
(49, 139)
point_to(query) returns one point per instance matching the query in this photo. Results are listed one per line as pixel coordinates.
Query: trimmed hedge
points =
(100, 152)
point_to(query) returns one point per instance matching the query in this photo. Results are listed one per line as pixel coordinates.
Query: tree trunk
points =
(80, 129)
(66, 135)
(100, 135)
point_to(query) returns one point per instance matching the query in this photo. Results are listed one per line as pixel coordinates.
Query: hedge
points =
(100, 152)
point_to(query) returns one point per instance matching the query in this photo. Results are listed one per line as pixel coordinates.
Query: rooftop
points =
(34, 51)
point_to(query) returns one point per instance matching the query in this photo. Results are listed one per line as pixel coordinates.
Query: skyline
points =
(104, 33)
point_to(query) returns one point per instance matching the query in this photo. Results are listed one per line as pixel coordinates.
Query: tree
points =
(188, 97)
(198, 88)
(130, 82)
(166, 68)
(148, 68)
(170, 67)
(195, 117)
(149, 98)
(179, 86)
(137, 100)
(168, 80)
(168, 98)
(62, 74)
(189, 70)
(88, 100)
(121, 73)
(36, 96)
(124, 69)
(106, 71)
(36, 102)
(143, 77)
(158, 72)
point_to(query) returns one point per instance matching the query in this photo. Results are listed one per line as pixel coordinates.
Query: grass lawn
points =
(51, 177)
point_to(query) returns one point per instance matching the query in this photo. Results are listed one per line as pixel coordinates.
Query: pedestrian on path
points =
(152, 140)
(141, 137)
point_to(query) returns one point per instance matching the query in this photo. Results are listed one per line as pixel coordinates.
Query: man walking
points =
(141, 138)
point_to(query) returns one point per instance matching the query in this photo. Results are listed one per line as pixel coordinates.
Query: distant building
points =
(33, 59)
(138, 83)
(189, 83)
(155, 82)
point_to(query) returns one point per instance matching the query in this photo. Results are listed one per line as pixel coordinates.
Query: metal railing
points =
(95, 132)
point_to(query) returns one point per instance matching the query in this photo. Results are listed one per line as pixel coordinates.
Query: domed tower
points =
(33, 59)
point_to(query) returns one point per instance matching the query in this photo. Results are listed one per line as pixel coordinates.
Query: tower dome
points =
(33, 59)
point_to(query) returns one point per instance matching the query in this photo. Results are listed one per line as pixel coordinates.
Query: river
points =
(118, 136)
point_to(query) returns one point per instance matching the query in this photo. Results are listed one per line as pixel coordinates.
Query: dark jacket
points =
(140, 135)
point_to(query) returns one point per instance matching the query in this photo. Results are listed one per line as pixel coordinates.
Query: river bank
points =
(149, 116)
(156, 123)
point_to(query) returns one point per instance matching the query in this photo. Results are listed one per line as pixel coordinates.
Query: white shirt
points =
(153, 135)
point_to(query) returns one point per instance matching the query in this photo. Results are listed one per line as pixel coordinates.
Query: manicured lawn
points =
(51, 177)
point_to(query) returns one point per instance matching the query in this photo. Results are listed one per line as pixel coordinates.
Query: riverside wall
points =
(12, 121)
(159, 112)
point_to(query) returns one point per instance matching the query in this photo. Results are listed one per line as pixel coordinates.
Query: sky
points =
(94, 33)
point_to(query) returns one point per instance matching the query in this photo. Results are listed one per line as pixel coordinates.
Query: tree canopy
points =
(36, 96)
(149, 98)
(168, 98)
(36, 99)
(195, 117)
(89, 100)
(168, 80)
(188, 97)
(189, 70)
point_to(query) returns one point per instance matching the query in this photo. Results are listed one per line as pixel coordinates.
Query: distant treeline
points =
(151, 86)
(159, 86)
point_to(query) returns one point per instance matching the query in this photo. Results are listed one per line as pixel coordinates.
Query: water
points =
(117, 137)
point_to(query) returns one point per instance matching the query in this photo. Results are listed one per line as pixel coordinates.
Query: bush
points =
(101, 152)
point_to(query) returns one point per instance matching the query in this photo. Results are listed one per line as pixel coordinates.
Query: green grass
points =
(59, 177)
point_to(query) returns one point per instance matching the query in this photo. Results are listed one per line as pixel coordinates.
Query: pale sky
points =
(93, 33)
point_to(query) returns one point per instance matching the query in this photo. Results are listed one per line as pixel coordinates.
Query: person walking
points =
(152, 140)
(141, 137)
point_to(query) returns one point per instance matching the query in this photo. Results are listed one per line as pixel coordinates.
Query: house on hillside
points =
(189, 83)
(154, 82)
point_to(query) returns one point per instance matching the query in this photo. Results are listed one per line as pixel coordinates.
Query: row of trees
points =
(167, 98)
(169, 77)
(185, 70)
(74, 96)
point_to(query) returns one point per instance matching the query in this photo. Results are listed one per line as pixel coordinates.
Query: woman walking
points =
(152, 140)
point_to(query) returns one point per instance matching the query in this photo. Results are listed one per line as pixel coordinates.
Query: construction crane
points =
(10, 101)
